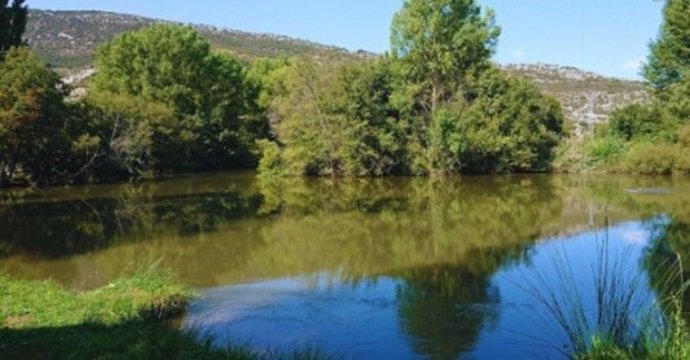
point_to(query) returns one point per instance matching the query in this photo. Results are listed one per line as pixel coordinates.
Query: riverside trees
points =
(199, 110)
(164, 102)
(651, 138)
(435, 105)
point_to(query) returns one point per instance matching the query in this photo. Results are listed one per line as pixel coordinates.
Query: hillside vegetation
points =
(68, 39)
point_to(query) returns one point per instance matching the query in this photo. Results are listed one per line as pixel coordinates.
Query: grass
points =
(622, 324)
(124, 320)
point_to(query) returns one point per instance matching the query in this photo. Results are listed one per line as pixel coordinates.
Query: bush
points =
(605, 151)
(271, 163)
(642, 122)
(652, 159)
(502, 125)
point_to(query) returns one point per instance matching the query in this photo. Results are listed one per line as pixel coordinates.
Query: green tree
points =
(12, 24)
(502, 125)
(32, 110)
(336, 120)
(119, 135)
(438, 42)
(174, 66)
(669, 60)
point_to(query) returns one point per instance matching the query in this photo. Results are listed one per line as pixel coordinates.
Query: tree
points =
(31, 119)
(438, 42)
(117, 136)
(502, 125)
(12, 24)
(336, 120)
(208, 92)
(669, 60)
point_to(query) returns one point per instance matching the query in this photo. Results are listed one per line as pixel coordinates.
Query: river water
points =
(369, 269)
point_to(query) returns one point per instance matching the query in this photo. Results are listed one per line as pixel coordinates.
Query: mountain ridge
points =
(68, 40)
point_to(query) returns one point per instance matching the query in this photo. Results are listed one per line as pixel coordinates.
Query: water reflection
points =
(395, 267)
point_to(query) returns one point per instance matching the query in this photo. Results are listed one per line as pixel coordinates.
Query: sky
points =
(610, 37)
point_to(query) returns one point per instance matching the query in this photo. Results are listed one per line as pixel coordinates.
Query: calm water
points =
(395, 268)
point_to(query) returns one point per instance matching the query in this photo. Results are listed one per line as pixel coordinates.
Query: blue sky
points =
(605, 36)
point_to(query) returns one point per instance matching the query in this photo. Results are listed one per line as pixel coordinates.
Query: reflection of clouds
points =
(230, 304)
(636, 237)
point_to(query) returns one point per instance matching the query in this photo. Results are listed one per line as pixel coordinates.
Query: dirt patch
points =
(17, 321)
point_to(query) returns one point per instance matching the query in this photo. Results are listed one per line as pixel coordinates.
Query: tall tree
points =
(439, 41)
(31, 118)
(175, 66)
(669, 60)
(12, 24)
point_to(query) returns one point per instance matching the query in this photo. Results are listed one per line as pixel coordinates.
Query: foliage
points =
(669, 60)
(12, 25)
(174, 66)
(32, 141)
(590, 154)
(642, 122)
(438, 42)
(133, 133)
(335, 120)
(652, 159)
(502, 125)
(436, 106)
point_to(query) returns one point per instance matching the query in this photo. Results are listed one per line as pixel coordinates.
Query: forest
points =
(164, 102)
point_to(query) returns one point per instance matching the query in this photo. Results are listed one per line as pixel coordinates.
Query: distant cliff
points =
(587, 98)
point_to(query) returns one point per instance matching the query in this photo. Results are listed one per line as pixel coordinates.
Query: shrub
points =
(605, 150)
(652, 159)
(271, 163)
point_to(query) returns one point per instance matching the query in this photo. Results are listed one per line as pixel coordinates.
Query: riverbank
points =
(126, 319)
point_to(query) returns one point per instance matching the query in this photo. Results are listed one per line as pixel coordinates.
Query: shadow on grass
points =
(138, 339)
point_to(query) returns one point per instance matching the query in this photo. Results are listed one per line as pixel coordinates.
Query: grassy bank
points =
(124, 320)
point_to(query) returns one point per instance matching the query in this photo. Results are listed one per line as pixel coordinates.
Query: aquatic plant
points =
(623, 320)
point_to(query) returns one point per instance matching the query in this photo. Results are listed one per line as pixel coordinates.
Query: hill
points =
(68, 39)
(587, 98)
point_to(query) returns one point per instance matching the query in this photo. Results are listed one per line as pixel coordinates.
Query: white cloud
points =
(633, 64)
(517, 54)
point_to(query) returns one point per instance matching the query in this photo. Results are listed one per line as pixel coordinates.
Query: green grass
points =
(621, 325)
(39, 304)
(126, 319)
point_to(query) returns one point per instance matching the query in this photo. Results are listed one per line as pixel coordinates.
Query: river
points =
(368, 269)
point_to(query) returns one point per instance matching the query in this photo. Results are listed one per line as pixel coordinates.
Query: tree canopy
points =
(12, 24)
(438, 42)
(435, 106)
(31, 118)
(175, 67)
(669, 59)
